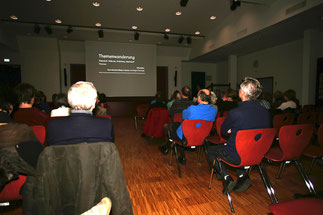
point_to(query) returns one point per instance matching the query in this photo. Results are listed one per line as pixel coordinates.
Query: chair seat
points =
(313, 152)
(275, 154)
(308, 206)
(216, 140)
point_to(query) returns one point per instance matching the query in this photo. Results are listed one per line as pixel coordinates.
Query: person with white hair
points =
(248, 115)
(81, 126)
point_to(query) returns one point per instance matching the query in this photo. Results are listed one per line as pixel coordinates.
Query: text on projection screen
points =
(119, 64)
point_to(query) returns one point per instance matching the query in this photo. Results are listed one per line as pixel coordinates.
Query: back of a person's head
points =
(290, 94)
(82, 96)
(102, 97)
(278, 95)
(186, 91)
(60, 100)
(176, 95)
(25, 93)
(204, 95)
(213, 98)
(251, 87)
(7, 98)
(231, 93)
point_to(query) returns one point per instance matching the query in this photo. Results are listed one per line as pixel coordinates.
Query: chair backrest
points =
(293, 139)
(105, 116)
(253, 144)
(218, 124)
(196, 130)
(156, 118)
(178, 117)
(40, 132)
(142, 110)
(306, 118)
(282, 120)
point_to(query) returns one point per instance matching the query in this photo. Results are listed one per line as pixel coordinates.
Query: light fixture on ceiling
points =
(212, 17)
(166, 37)
(140, 9)
(197, 32)
(134, 27)
(48, 0)
(96, 4)
(58, 21)
(178, 13)
(101, 33)
(69, 29)
(36, 29)
(98, 24)
(48, 29)
(180, 39)
(136, 36)
(13, 17)
(235, 4)
(183, 3)
(188, 40)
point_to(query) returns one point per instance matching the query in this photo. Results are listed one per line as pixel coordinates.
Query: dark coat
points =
(248, 115)
(73, 178)
(79, 128)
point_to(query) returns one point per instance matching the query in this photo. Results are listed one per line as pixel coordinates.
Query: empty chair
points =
(308, 206)
(195, 131)
(251, 146)
(293, 139)
(282, 120)
(306, 118)
(315, 151)
(219, 138)
(141, 112)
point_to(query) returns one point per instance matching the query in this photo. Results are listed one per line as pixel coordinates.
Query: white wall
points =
(40, 63)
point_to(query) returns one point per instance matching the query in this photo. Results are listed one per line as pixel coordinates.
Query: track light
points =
(180, 39)
(36, 29)
(48, 29)
(189, 40)
(101, 33)
(136, 36)
(183, 3)
(69, 29)
(166, 36)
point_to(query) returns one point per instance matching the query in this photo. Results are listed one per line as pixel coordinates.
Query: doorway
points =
(77, 72)
(10, 75)
(197, 82)
(162, 81)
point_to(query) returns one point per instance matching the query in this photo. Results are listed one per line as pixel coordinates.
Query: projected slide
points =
(121, 69)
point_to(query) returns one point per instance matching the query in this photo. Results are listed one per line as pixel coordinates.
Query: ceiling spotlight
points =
(36, 29)
(140, 9)
(197, 32)
(98, 24)
(96, 4)
(101, 33)
(69, 29)
(48, 29)
(180, 39)
(13, 17)
(213, 17)
(136, 36)
(166, 36)
(189, 40)
(183, 3)
(58, 21)
(48, 0)
(178, 13)
(134, 27)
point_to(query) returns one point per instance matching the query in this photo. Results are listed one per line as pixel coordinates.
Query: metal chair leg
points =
(171, 153)
(207, 158)
(305, 177)
(211, 177)
(136, 123)
(249, 170)
(313, 163)
(281, 170)
(176, 156)
(269, 187)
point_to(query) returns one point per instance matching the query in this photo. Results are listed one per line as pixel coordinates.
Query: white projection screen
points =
(121, 69)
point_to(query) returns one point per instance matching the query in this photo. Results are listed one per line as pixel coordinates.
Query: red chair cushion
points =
(11, 190)
(275, 154)
(308, 206)
(157, 117)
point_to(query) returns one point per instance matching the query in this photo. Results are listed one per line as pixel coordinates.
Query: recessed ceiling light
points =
(48, 0)
(98, 24)
(212, 17)
(13, 17)
(178, 13)
(96, 4)
(134, 27)
(167, 30)
(58, 21)
(140, 9)
(197, 32)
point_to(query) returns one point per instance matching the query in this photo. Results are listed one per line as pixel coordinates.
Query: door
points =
(162, 81)
(197, 82)
(77, 72)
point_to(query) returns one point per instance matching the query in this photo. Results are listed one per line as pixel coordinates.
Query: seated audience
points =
(248, 115)
(176, 96)
(19, 148)
(41, 103)
(26, 113)
(80, 126)
(60, 106)
(99, 111)
(290, 101)
(203, 111)
(278, 99)
(228, 101)
(264, 100)
(158, 102)
(213, 99)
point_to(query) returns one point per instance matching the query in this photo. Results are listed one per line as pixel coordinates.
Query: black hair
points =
(204, 97)
(186, 91)
(60, 100)
(25, 92)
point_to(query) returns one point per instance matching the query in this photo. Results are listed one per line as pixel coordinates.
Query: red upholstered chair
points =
(306, 118)
(293, 139)
(219, 138)
(11, 190)
(105, 116)
(178, 117)
(315, 151)
(308, 206)
(282, 120)
(195, 131)
(252, 145)
(156, 118)
(141, 110)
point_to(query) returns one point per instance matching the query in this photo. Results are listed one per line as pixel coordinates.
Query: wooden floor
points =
(155, 188)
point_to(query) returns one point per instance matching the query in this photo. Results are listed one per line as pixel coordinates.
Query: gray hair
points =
(82, 96)
(251, 87)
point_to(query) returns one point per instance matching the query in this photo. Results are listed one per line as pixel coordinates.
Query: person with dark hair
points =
(41, 103)
(278, 99)
(290, 100)
(158, 102)
(19, 148)
(26, 113)
(176, 96)
(248, 115)
(61, 107)
(228, 101)
(203, 110)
